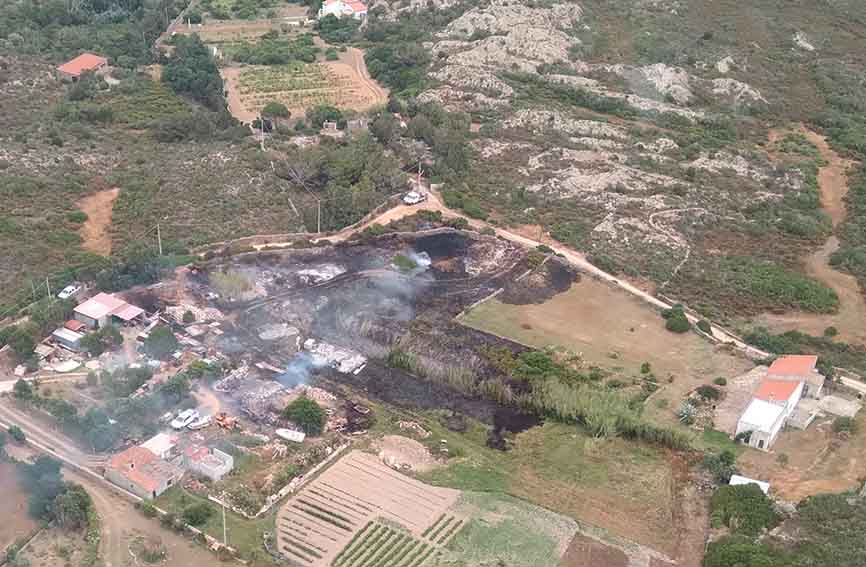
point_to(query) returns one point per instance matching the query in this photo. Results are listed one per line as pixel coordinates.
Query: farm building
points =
(67, 338)
(783, 393)
(799, 368)
(141, 472)
(212, 463)
(762, 421)
(344, 8)
(85, 62)
(105, 308)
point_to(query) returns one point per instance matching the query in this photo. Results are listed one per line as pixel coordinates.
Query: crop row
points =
(380, 546)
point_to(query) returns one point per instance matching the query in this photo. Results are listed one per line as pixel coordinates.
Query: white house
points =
(212, 463)
(344, 8)
(763, 420)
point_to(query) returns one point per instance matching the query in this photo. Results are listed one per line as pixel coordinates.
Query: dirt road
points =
(354, 57)
(850, 320)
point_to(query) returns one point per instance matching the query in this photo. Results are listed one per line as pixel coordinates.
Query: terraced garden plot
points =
(362, 513)
(299, 86)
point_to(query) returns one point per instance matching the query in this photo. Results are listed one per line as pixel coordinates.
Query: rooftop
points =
(776, 390)
(143, 468)
(761, 415)
(105, 304)
(82, 63)
(67, 335)
(793, 365)
(159, 444)
(737, 480)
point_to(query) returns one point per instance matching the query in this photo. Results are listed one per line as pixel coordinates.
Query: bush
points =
(197, 514)
(147, 509)
(721, 466)
(306, 414)
(709, 392)
(678, 324)
(844, 424)
(745, 509)
(77, 217)
(161, 343)
(188, 317)
(720, 381)
(704, 326)
(831, 332)
(645, 368)
(17, 434)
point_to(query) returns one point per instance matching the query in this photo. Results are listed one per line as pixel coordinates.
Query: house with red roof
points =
(344, 8)
(788, 379)
(142, 472)
(85, 62)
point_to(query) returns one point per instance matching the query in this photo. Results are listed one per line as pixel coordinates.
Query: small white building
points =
(344, 8)
(763, 421)
(162, 445)
(211, 463)
(737, 480)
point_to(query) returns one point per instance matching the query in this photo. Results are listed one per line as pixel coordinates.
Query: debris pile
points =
(342, 360)
(234, 380)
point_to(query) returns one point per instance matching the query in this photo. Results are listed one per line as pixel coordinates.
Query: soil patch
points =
(95, 231)
(13, 507)
(588, 552)
(401, 452)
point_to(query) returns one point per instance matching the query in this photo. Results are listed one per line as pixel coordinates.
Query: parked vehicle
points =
(200, 423)
(69, 291)
(414, 197)
(184, 418)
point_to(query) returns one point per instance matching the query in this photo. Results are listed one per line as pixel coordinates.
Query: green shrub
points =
(77, 217)
(831, 332)
(709, 392)
(645, 368)
(745, 509)
(844, 424)
(306, 414)
(17, 434)
(188, 317)
(704, 326)
(197, 514)
(678, 324)
(721, 466)
(720, 381)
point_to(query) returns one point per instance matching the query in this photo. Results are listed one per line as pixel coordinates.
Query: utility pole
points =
(159, 238)
(48, 287)
(225, 532)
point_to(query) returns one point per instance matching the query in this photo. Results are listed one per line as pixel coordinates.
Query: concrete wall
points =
(123, 482)
(210, 468)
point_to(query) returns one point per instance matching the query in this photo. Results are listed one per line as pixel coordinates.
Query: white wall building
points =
(764, 420)
(344, 8)
(212, 463)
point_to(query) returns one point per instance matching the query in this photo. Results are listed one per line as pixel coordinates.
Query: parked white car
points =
(184, 418)
(69, 291)
(414, 197)
(199, 423)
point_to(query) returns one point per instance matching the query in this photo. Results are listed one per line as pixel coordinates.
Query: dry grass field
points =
(13, 507)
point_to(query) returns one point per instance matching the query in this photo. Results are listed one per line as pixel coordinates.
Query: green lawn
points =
(244, 535)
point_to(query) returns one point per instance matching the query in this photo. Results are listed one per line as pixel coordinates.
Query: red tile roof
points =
(776, 390)
(74, 325)
(131, 464)
(793, 365)
(82, 63)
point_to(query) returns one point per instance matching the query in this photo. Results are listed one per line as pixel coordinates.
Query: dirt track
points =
(851, 317)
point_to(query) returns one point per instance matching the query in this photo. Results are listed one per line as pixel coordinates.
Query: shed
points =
(67, 338)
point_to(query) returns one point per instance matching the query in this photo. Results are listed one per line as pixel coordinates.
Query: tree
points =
(188, 317)
(161, 343)
(197, 514)
(275, 109)
(22, 390)
(318, 115)
(177, 387)
(306, 414)
(384, 128)
(71, 507)
(17, 434)
(192, 71)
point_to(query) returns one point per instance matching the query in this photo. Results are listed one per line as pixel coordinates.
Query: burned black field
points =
(374, 319)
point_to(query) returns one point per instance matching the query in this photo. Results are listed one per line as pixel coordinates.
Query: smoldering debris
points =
(343, 360)
(321, 273)
(233, 380)
(276, 331)
(299, 370)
